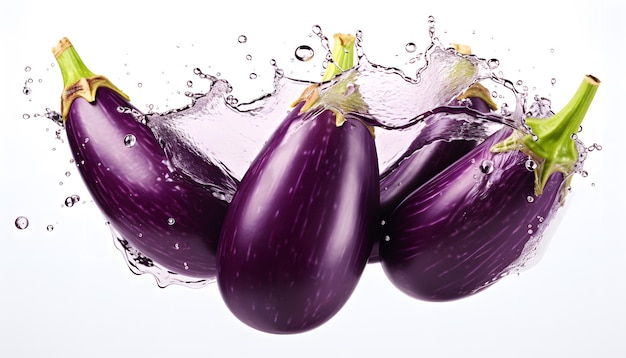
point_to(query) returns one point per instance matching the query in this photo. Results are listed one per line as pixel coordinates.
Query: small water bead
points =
(21, 222)
(594, 146)
(519, 82)
(553, 81)
(574, 136)
(551, 50)
(431, 19)
(26, 90)
(486, 166)
(189, 84)
(171, 221)
(249, 57)
(530, 198)
(67, 173)
(317, 29)
(253, 76)
(139, 84)
(530, 164)
(197, 71)
(493, 63)
(304, 53)
(130, 140)
(242, 39)
(25, 116)
(27, 69)
(410, 47)
(387, 238)
(49, 227)
(71, 200)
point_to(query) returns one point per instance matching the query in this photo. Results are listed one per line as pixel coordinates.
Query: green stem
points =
(78, 80)
(551, 144)
(343, 56)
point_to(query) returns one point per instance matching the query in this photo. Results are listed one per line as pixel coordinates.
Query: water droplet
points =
(383, 222)
(316, 29)
(249, 57)
(494, 94)
(26, 90)
(530, 164)
(71, 200)
(493, 63)
(242, 39)
(387, 238)
(253, 75)
(176, 246)
(530, 198)
(304, 53)
(530, 231)
(67, 174)
(171, 221)
(551, 50)
(519, 82)
(431, 19)
(139, 84)
(130, 140)
(574, 136)
(49, 227)
(27, 69)
(410, 47)
(186, 266)
(25, 115)
(553, 81)
(21, 222)
(189, 84)
(486, 166)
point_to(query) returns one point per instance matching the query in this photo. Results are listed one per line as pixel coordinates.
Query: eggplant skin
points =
(299, 230)
(166, 217)
(423, 160)
(461, 231)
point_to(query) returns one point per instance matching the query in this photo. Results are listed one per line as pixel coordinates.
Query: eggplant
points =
(428, 154)
(168, 218)
(478, 219)
(301, 225)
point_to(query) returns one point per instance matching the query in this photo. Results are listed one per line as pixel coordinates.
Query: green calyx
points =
(551, 145)
(78, 80)
(340, 97)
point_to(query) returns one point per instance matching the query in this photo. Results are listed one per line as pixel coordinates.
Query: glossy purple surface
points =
(423, 159)
(459, 233)
(301, 225)
(170, 220)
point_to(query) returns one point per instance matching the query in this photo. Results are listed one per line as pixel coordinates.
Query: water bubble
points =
(27, 69)
(519, 82)
(431, 19)
(551, 50)
(242, 39)
(71, 200)
(249, 57)
(574, 136)
(530, 164)
(530, 198)
(139, 84)
(553, 81)
(253, 75)
(25, 115)
(49, 227)
(189, 84)
(493, 63)
(494, 94)
(486, 166)
(410, 47)
(317, 29)
(304, 53)
(26, 90)
(67, 174)
(21, 222)
(130, 140)
(594, 146)
(387, 238)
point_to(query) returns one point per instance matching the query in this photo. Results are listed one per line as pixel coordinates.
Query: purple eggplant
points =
(428, 154)
(168, 218)
(471, 224)
(301, 225)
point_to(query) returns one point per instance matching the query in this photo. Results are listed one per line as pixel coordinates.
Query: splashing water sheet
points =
(212, 107)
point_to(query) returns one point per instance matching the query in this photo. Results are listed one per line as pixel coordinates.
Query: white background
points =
(68, 293)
